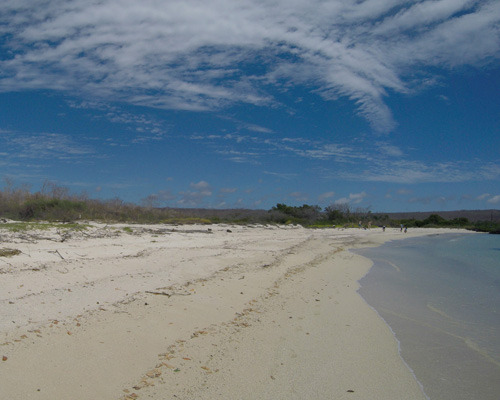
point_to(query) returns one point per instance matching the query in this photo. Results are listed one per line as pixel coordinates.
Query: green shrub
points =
(50, 209)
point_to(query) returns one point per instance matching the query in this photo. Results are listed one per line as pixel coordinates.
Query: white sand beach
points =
(194, 312)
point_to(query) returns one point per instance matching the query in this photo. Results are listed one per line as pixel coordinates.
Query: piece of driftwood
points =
(166, 293)
(57, 252)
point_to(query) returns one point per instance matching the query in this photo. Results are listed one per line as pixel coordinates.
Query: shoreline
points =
(421, 288)
(198, 312)
(410, 369)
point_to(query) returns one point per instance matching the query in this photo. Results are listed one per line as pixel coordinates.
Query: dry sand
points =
(194, 312)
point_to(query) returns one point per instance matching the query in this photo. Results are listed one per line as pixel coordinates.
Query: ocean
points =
(440, 295)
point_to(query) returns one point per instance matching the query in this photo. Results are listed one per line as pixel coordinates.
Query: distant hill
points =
(471, 215)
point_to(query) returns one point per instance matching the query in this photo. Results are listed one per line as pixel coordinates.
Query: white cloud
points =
(389, 149)
(192, 198)
(299, 196)
(158, 199)
(356, 160)
(196, 197)
(409, 172)
(257, 128)
(357, 197)
(354, 198)
(325, 196)
(201, 186)
(45, 145)
(439, 200)
(281, 175)
(257, 203)
(423, 13)
(193, 55)
(147, 128)
(240, 156)
(268, 146)
(494, 199)
(339, 152)
(228, 190)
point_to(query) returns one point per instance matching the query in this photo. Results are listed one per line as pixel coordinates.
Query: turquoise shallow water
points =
(441, 297)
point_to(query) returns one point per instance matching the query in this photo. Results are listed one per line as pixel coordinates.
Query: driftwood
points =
(159, 293)
(166, 293)
(57, 252)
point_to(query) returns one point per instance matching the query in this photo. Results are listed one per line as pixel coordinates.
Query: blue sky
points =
(382, 104)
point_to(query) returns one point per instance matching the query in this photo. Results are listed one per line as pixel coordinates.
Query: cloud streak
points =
(44, 146)
(199, 56)
(355, 161)
(412, 172)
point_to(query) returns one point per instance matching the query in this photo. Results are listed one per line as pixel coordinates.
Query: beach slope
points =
(230, 312)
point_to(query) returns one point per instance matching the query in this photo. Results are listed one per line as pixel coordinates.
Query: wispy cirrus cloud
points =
(281, 175)
(410, 172)
(145, 127)
(250, 149)
(228, 190)
(44, 145)
(353, 161)
(192, 55)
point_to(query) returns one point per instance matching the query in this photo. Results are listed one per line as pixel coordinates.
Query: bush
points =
(305, 214)
(52, 209)
(435, 219)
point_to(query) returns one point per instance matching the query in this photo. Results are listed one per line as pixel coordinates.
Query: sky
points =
(386, 105)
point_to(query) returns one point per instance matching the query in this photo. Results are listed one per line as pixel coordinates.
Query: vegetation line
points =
(55, 204)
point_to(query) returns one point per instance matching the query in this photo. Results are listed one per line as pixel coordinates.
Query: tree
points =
(434, 219)
(338, 212)
(333, 214)
(303, 214)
